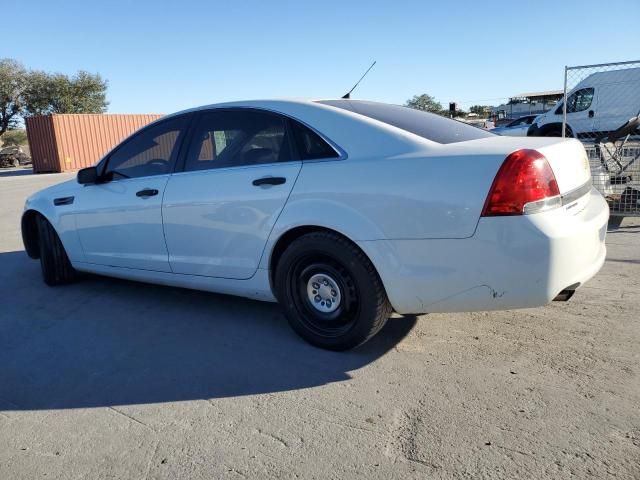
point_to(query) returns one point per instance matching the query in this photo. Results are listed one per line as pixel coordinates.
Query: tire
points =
(615, 222)
(16, 163)
(554, 132)
(323, 266)
(56, 267)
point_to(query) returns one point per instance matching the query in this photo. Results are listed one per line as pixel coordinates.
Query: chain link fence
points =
(602, 108)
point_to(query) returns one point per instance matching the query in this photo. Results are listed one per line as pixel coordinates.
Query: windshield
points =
(427, 125)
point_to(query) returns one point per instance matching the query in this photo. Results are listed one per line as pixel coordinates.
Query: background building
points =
(527, 104)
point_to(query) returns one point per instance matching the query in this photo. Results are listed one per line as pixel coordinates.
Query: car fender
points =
(61, 217)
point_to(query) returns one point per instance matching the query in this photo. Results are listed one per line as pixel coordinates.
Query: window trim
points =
(181, 162)
(180, 141)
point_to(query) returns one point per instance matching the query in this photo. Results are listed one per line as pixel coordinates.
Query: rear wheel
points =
(330, 291)
(56, 267)
(554, 132)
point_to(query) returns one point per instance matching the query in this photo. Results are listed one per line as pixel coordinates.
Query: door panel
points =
(614, 107)
(239, 171)
(118, 228)
(217, 222)
(119, 219)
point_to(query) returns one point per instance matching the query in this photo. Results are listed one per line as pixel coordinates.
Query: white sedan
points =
(516, 128)
(341, 210)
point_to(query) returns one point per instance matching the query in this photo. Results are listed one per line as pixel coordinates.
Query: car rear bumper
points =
(510, 262)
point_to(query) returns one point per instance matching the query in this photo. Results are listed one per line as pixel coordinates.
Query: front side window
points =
(579, 101)
(229, 138)
(150, 152)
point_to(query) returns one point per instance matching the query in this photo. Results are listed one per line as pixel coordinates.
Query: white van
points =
(600, 103)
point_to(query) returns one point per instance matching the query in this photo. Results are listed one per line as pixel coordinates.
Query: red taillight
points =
(525, 177)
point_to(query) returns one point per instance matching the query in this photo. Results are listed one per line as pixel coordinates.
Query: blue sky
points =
(166, 56)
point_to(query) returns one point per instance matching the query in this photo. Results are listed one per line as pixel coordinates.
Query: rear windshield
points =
(427, 125)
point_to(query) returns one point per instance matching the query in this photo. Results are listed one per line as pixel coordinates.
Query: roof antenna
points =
(348, 94)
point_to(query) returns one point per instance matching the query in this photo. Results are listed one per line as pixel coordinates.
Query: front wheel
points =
(330, 291)
(56, 267)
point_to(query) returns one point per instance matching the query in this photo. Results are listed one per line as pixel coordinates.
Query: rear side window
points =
(232, 138)
(427, 125)
(310, 145)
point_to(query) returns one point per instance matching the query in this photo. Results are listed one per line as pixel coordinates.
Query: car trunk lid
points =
(569, 162)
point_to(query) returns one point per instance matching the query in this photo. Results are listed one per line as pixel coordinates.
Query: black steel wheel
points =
(331, 293)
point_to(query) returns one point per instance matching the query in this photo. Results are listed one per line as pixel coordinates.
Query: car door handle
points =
(147, 192)
(269, 181)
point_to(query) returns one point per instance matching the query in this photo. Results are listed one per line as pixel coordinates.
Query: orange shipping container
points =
(68, 142)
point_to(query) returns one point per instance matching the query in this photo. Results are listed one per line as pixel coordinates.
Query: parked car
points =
(13, 156)
(342, 210)
(516, 128)
(598, 104)
(484, 123)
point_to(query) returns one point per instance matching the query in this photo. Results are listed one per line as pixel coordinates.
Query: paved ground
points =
(114, 379)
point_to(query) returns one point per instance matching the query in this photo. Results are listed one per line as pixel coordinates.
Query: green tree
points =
(13, 82)
(58, 93)
(14, 137)
(480, 109)
(424, 102)
(32, 92)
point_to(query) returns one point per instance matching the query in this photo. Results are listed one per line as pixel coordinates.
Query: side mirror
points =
(88, 175)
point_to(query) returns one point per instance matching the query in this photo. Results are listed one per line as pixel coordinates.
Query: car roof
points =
(351, 132)
(255, 103)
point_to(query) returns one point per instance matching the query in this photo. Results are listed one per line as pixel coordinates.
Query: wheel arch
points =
(554, 126)
(289, 236)
(29, 228)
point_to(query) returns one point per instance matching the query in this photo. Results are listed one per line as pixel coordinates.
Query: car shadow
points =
(623, 260)
(627, 224)
(104, 342)
(16, 172)
(624, 229)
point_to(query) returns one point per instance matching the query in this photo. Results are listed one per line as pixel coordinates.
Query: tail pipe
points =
(567, 293)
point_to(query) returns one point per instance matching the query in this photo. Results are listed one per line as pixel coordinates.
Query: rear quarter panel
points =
(413, 196)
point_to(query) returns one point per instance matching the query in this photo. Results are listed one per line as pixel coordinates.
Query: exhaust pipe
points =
(567, 293)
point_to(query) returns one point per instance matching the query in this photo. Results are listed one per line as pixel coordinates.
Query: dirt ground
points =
(113, 379)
